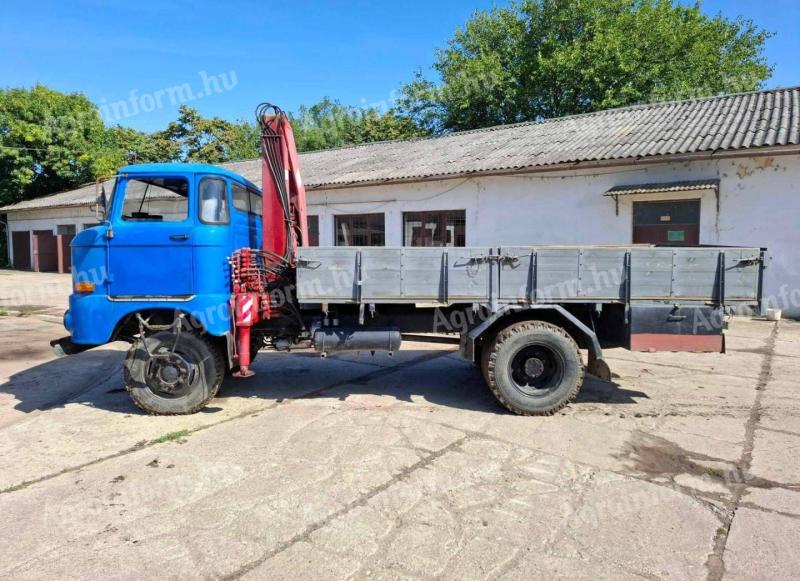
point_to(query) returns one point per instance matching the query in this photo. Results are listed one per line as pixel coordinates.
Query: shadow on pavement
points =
(93, 378)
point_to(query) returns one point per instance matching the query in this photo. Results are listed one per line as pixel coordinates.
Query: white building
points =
(722, 170)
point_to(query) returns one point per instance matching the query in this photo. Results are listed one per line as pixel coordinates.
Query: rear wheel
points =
(174, 377)
(533, 368)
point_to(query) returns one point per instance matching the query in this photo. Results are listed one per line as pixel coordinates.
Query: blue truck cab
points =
(163, 247)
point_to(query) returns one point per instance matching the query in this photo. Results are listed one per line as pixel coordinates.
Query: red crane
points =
(257, 274)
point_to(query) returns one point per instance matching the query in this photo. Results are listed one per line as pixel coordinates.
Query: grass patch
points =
(716, 473)
(171, 436)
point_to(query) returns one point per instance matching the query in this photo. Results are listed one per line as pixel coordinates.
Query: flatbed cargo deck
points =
(530, 275)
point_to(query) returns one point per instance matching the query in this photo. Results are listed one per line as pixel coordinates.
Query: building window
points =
(313, 230)
(360, 230)
(446, 228)
(65, 230)
(674, 223)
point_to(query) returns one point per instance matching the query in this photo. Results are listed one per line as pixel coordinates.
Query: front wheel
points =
(533, 368)
(171, 374)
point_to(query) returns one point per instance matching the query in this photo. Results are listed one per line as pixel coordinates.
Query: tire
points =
(533, 368)
(179, 383)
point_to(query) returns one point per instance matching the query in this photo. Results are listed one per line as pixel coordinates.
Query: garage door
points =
(21, 241)
(45, 251)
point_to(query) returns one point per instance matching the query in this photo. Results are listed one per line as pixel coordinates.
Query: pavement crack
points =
(753, 506)
(361, 501)
(715, 563)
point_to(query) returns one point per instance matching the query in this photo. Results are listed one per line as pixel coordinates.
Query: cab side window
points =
(213, 201)
(240, 197)
(255, 203)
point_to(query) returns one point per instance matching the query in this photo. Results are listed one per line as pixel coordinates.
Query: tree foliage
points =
(548, 58)
(329, 124)
(209, 140)
(49, 141)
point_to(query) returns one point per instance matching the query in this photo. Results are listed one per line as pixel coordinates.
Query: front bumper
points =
(64, 346)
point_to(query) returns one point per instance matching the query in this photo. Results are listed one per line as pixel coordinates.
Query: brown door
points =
(64, 255)
(45, 251)
(21, 241)
(673, 223)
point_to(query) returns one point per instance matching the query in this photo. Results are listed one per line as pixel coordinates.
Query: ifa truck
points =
(199, 270)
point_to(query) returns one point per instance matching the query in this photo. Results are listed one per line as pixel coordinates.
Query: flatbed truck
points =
(199, 269)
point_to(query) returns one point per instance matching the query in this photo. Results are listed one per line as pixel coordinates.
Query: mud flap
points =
(64, 347)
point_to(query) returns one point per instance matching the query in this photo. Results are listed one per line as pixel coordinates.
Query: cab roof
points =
(184, 168)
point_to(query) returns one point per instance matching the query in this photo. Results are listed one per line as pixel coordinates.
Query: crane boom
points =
(284, 196)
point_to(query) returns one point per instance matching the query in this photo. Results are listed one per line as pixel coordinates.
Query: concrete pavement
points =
(403, 467)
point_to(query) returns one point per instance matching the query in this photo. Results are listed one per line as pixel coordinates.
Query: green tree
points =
(329, 124)
(548, 58)
(49, 142)
(128, 146)
(209, 140)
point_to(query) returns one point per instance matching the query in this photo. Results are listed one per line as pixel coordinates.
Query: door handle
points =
(179, 237)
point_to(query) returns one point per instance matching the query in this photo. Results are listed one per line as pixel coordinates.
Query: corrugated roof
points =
(685, 186)
(727, 123)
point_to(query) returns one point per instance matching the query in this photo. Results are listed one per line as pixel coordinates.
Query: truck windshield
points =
(156, 200)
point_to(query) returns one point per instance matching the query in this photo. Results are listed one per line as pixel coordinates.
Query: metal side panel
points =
(381, 273)
(695, 273)
(469, 275)
(558, 274)
(424, 274)
(650, 273)
(528, 274)
(603, 274)
(742, 274)
(545, 274)
(327, 274)
(518, 274)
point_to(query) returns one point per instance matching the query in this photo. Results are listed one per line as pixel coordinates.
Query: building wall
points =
(47, 219)
(759, 205)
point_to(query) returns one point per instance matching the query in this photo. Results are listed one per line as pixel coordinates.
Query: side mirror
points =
(99, 208)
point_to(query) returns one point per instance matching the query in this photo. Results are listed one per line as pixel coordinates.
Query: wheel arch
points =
(473, 340)
(128, 326)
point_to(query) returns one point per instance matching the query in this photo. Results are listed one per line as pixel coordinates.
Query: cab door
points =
(150, 251)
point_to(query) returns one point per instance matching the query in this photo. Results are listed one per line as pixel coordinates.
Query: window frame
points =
(338, 218)
(246, 190)
(118, 203)
(254, 194)
(698, 201)
(442, 216)
(315, 217)
(226, 201)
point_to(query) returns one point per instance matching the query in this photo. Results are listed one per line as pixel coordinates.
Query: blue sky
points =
(130, 57)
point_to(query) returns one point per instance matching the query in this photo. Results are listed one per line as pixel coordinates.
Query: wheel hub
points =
(169, 374)
(534, 367)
